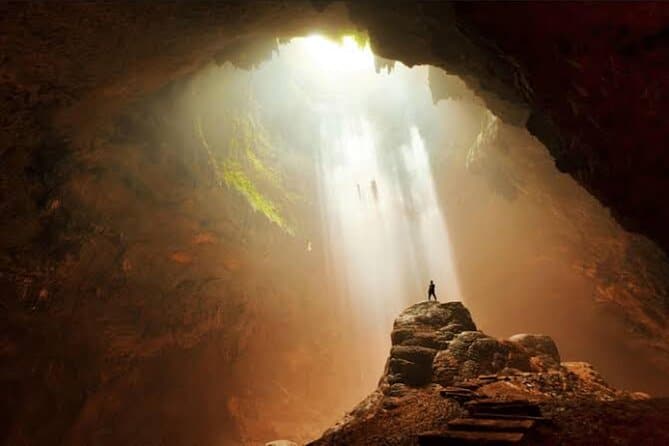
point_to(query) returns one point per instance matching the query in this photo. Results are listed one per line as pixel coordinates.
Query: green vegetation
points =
(235, 177)
(240, 165)
(360, 38)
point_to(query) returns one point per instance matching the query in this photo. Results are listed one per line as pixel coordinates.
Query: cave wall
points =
(159, 301)
(119, 313)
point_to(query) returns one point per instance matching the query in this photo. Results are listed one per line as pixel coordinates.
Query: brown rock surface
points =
(500, 393)
(435, 342)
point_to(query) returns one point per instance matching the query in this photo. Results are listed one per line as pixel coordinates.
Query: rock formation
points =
(447, 383)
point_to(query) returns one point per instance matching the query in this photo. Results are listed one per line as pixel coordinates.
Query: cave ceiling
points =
(591, 77)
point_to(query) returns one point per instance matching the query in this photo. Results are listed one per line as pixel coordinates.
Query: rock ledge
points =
(441, 369)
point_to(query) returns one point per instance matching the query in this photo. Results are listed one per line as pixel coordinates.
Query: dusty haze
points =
(345, 188)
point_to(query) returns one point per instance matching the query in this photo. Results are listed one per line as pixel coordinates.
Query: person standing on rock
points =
(430, 291)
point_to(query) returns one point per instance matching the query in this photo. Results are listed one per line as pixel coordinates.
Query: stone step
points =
(467, 438)
(457, 396)
(508, 402)
(490, 424)
(514, 407)
(501, 416)
(457, 389)
(467, 385)
(488, 377)
(458, 393)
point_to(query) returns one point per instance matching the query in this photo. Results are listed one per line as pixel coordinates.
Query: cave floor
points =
(573, 422)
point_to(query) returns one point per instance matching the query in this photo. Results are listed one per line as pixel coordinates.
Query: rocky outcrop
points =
(543, 351)
(444, 380)
(419, 333)
(438, 343)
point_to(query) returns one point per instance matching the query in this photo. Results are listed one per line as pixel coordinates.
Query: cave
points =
(220, 217)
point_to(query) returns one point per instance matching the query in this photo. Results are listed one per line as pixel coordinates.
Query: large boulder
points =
(435, 315)
(410, 364)
(472, 353)
(418, 334)
(438, 343)
(541, 348)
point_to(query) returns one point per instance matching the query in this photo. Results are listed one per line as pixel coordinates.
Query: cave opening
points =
(324, 143)
(327, 186)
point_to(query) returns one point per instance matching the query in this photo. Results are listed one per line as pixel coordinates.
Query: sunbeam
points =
(383, 230)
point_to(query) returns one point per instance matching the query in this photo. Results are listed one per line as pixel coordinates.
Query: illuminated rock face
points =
(438, 343)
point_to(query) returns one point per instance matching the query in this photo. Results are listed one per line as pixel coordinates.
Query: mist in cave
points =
(382, 228)
(353, 133)
(342, 187)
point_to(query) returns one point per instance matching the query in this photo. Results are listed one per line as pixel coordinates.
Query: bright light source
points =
(344, 57)
(335, 65)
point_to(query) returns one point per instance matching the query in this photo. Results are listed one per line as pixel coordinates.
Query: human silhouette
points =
(375, 190)
(430, 291)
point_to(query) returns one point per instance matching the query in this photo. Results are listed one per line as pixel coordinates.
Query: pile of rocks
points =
(438, 343)
(447, 383)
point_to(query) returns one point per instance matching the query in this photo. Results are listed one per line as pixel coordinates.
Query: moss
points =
(360, 38)
(235, 177)
(240, 166)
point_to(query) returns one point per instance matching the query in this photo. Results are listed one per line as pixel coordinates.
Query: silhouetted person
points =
(430, 291)
(375, 191)
(359, 191)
